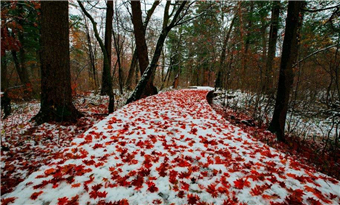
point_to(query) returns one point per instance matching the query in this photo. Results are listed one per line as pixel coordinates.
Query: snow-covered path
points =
(173, 148)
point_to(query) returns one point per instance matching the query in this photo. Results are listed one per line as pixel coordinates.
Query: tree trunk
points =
(218, 82)
(107, 63)
(91, 55)
(141, 46)
(132, 69)
(106, 76)
(147, 75)
(288, 59)
(4, 82)
(274, 26)
(56, 92)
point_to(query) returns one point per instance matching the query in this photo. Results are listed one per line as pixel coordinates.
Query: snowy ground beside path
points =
(172, 148)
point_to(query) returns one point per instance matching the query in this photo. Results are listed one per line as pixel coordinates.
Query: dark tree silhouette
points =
(288, 59)
(141, 47)
(56, 92)
(274, 26)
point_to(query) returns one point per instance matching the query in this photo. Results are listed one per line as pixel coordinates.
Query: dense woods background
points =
(227, 45)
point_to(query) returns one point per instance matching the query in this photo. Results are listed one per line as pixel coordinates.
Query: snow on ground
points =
(25, 147)
(295, 123)
(172, 148)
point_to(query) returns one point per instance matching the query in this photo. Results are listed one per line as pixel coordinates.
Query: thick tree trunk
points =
(288, 59)
(141, 46)
(147, 75)
(56, 93)
(106, 76)
(274, 26)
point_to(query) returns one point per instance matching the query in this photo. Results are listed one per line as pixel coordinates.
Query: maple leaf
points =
(62, 201)
(74, 200)
(138, 182)
(240, 183)
(152, 187)
(180, 194)
(162, 169)
(97, 187)
(211, 189)
(49, 171)
(173, 176)
(193, 198)
(35, 195)
(75, 185)
(313, 201)
(93, 194)
(185, 186)
(101, 194)
(8, 200)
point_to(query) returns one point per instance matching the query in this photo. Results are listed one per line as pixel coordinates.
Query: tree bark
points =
(288, 59)
(147, 75)
(274, 26)
(91, 55)
(107, 63)
(218, 82)
(141, 46)
(106, 76)
(132, 69)
(56, 92)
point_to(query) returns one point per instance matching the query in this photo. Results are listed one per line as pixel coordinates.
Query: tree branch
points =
(314, 53)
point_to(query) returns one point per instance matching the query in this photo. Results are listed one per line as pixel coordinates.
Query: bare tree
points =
(288, 59)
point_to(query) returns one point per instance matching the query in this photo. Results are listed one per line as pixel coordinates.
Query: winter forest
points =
(170, 102)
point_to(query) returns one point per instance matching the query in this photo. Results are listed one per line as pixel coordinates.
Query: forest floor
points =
(168, 148)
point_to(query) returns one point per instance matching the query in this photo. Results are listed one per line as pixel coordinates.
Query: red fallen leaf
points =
(121, 202)
(180, 194)
(256, 191)
(89, 162)
(49, 171)
(62, 201)
(295, 197)
(211, 189)
(97, 187)
(193, 198)
(93, 194)
(35, 195)
(109, 127)
(173, 176)
(270, 197)
(75, 185)
(185, 186)
(138, 182)
(88, 138)
(162, 169)
(157, 201)
(318, 194)
(313, 201)
(332, 196)
(74, 201)
(152, 187)
(8, 200)
(240, 183)
(101, 194)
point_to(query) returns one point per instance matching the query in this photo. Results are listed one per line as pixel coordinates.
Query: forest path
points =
(173, 148)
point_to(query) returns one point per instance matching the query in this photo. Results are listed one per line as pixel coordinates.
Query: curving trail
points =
(173, 148)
